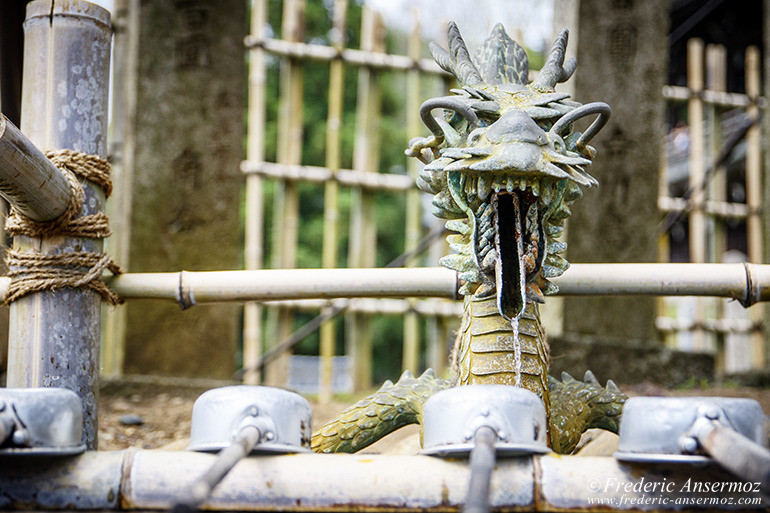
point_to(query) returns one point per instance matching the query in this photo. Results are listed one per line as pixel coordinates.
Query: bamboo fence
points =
(364, 181)
(708, 209)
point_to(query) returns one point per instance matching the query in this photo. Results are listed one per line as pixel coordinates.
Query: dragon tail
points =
(580, 405)
(393, 406)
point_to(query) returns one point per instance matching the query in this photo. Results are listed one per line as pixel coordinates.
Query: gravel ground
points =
(142, 414)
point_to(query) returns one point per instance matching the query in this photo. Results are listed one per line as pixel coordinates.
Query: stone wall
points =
(622, 59)
(187, 183)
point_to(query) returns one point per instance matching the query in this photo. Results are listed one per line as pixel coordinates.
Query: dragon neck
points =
(493, 350)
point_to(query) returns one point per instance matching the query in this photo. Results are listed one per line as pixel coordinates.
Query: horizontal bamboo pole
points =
(28, 180)
(718, 98)
(348, 55)
(715, 208)
(671, 324)
(349, 177)
(748, 283)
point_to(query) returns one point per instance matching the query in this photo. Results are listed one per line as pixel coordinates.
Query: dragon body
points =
(504, 163)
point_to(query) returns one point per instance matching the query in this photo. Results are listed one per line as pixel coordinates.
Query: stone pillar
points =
(187, 183)
(622, 54)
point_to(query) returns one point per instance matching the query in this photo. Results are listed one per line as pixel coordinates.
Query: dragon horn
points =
(554, 70)
(463, 67)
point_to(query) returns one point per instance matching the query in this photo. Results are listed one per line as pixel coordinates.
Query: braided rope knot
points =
(32, 271)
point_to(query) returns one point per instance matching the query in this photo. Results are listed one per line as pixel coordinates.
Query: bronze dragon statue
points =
(503, 163)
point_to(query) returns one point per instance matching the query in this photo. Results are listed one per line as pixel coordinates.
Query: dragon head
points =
(504, 163)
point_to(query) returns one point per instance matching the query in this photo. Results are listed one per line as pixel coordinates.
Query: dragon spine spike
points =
(590, 377)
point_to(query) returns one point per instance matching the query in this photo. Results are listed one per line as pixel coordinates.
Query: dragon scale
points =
(504, 163)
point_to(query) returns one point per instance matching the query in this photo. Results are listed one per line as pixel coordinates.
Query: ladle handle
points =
(482, 463)
(202, 487)
(733, 451)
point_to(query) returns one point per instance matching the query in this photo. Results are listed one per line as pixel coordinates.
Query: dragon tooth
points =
(472, 276)
(510, 185)
(459, 225)
(556, 247)
(534, 294)
(557, 261)
(484, 186)
(563, 212)
(460, 263)
(549, 288)
(553, 230)
(549, 271)
(535, 187)
(463, 249)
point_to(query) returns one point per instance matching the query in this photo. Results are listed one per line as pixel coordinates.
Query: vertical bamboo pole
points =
(286, 217)
(363, 232)
(754, 191)
(411, 350)
(122, 147)
(716, 80)
(697, 220)
(331, 189)
(255, 208)
(54, 336)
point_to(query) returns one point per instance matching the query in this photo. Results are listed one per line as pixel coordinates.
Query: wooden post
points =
(363, 230)
(255, 208)
(328, 334)
(286, 207)
(716, 80)
(54, 336)
(697, 221)
(754, 192)
(411, 351)
(122, 148)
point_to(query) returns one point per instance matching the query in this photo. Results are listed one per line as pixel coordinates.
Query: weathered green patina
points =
(503, 163)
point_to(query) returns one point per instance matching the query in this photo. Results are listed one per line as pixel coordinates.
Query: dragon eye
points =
(475, 136)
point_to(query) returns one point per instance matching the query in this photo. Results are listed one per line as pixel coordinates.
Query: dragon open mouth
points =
(520, 248)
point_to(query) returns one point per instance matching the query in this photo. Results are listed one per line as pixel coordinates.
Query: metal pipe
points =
(244, 442)
(28, 180)
(736, 453)
(482, 463)
(54, 335)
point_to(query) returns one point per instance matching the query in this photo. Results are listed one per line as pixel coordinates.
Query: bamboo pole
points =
(328, 334)
(286, 206)
(754, 192)
(122, 144)
(361, 251)
(718, 98)
(353, 178)
(28, 179)
(255, 208)
(411, 350)
(748, 283)
(716, 80)
(697, 221)
(364, 58)
(54, 336)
